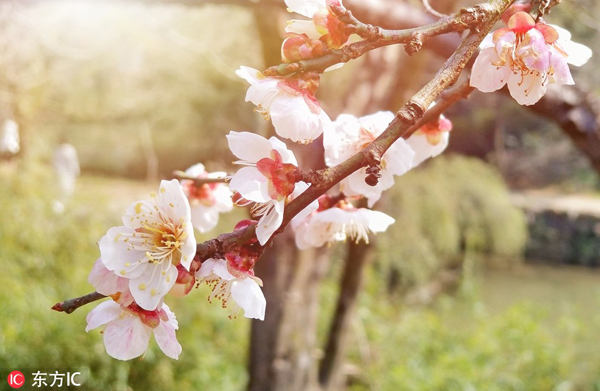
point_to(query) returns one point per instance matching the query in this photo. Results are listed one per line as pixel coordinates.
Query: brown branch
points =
(180, 175)
(539, 8)
(408, 116)
(486, 15)
(68, 306)
(414, 38)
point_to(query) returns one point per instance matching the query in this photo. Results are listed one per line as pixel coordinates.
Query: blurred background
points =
(488, 280)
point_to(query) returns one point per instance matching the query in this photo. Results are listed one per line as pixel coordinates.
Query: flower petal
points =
(487, 77)
(251, 184)
(249, 147)
(204, 218)
(423, 149)
(527, 90)
(172, 201)
(119, 255)
(166, 339)
(105, 281)
(102, 314)
(149, 289)
(248, 295)
(305, 7)
(126, 338)
(293, 119)
(270, 222)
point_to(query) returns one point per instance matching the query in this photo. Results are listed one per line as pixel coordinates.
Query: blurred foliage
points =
(453, 206)
(451, 347)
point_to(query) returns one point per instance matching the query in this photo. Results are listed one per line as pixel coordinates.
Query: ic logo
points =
(16, 379)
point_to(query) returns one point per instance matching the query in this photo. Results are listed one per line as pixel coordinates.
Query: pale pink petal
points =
(562, 73)
(118, 254)
(305, 7)
(172, 201)
(166, 339)
(204, 218)
(270, 222)
(342, 141)
(578, 54)
(378, 122)
(248, 295)
(251, 184)
(374, 220)
(527, 90)
(126, 338)
(302, 27)
(487, 77)
(223, 199)
(150, 288)
(105, 281)
(287, 156)
(249, 147)
(140, 213)
(563, 34)
(356, 181)
(188, 247)
(102, 314)
(195, 170)
(293, 119)
(534, 52)
(300, 188)
(423, 149)
(302, 231)
(399, 157)
(215, 266)
(487, 42)
(251, 75)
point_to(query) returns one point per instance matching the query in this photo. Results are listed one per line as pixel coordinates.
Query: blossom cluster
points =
(154, 252)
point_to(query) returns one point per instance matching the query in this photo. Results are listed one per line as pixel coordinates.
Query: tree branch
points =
(406, 120)
(180, 175)
(377, 37)
(68, 306)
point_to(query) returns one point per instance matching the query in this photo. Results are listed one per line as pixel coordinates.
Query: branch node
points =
(414, 44)
(472, 17)
(313, 177)
(411, 112)
(373, 175)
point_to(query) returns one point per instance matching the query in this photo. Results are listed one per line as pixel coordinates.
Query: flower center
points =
(280, 175)
(166, 239)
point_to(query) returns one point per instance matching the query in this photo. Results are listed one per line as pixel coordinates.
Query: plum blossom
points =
(233, 278)
(156, 237)
(289, 102)
(129, 327)
(324, 25)
(105, 281)
(207, 200)
(269, 178)
(527, 56)
(338, 224)
(430, 140)
(353, 134)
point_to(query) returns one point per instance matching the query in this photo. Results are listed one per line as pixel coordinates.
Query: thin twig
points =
(432, 11)
(68, 306)
(413, 38)
(200, 181)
